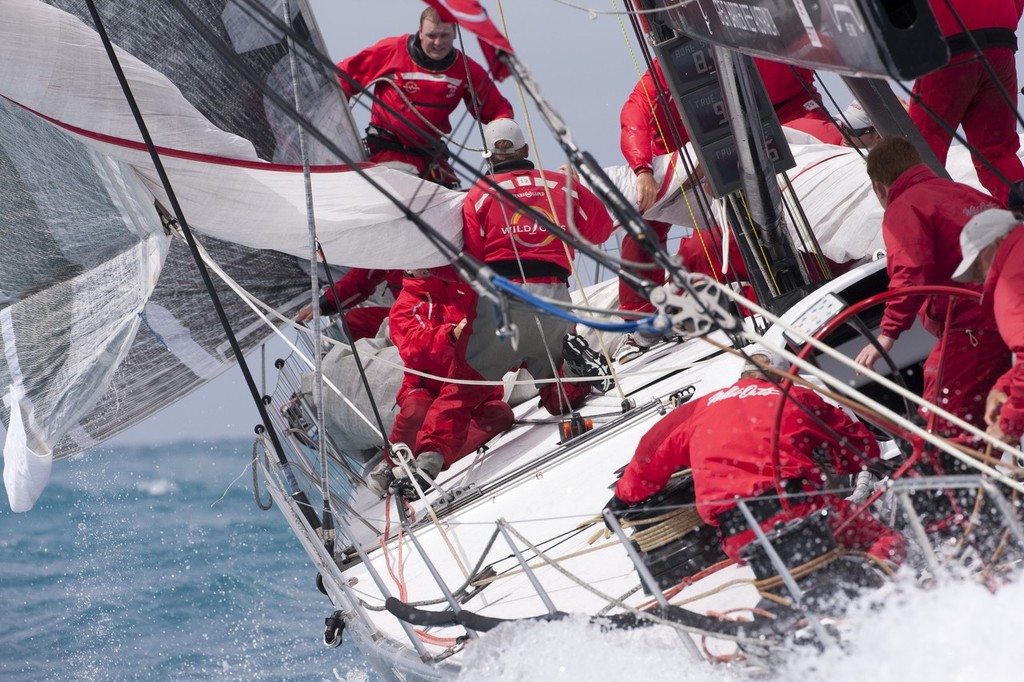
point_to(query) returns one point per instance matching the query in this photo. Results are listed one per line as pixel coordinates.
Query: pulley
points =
(575, 425)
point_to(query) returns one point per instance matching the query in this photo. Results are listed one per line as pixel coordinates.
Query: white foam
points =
(960, 631)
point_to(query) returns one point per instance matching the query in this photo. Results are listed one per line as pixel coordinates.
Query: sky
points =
(586, 64)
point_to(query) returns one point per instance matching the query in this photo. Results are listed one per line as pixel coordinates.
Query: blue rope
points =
(160, 340)
(655, 324)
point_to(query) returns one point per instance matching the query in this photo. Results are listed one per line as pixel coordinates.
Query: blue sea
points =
(154, 563)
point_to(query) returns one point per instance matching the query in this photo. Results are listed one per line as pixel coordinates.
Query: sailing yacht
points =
(224, 164)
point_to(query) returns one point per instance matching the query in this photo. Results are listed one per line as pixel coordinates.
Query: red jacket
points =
(726, 437)
(977, 14)
(1005, 288)
(355, 286)
(784, 82)
(496, 231)
(644, 126)
(434, 88)
(921, 228)
(420, 323)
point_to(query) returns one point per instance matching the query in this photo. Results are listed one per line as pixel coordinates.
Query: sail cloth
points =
(227, 187)
(82, 252)
(835, 192)
(830, 181)
(104, 319)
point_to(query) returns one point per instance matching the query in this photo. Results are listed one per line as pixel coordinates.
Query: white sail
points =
(58, 70)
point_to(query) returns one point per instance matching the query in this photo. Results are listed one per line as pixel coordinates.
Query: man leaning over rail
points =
(423, 78)
(726, 438)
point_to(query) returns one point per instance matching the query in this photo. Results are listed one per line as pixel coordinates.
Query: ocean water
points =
(154, 563)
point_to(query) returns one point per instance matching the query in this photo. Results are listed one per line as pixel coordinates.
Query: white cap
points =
(979, 232)
(503, 129)
(855, 117)
(773, 358)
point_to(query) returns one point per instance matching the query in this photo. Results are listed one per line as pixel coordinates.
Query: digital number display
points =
(721, 162)
(692, 63)
(895, 39)
(706, 114)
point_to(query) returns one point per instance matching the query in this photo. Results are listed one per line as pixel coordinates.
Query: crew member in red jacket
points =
(924, 215)
(423, 78)
(725, 437)
(351, 289)
(426, 322)
(513, 244)
(648, 130)
(993, 247)
(963, 92)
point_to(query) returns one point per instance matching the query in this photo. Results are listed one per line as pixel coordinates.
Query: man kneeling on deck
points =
(512, 243)
(726, 438)
(426, 324)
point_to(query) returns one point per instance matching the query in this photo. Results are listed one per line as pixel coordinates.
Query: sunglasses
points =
(858, 132)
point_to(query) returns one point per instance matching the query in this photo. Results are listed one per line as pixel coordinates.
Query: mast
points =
(759, 157)
(740, 145)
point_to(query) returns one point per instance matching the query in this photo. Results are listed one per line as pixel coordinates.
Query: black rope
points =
(297, 494)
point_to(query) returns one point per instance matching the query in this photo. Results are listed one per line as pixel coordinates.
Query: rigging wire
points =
(296, 493)
(631, 12)
(443, 246)
(327, 530)
(871, 403)
(355, 356)
(233, 58)
(312, 53)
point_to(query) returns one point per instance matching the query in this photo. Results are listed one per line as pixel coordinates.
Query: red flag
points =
(472, 17)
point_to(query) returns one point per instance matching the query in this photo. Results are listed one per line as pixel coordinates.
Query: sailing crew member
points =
(648, 130)
(351, 289)
(418, 80)
(860, 132)
(993, 246)
(963, 93)
(425, 324)
(924, 216)
(514, 245)
(725, 437)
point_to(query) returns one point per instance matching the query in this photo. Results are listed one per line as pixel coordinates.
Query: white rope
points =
(256, 304)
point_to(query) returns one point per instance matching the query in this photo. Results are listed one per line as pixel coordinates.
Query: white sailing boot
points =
(634, 345)
(379, 479)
